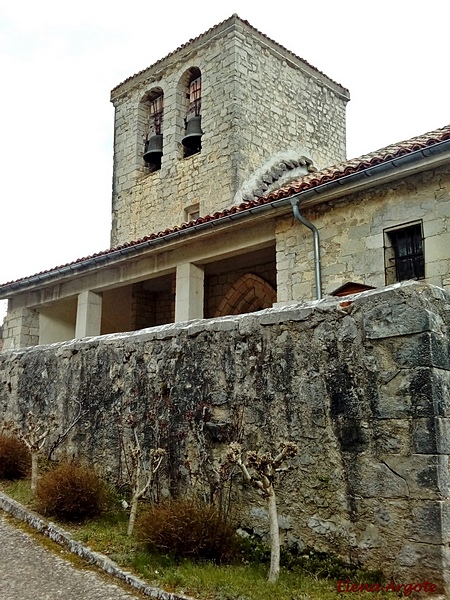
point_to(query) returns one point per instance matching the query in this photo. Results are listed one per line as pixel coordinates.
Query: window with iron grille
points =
(404, 253)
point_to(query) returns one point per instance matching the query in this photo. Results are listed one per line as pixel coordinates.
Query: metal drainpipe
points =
(313, 228)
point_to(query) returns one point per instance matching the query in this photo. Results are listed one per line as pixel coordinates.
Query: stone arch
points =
(189, 102)
(248, 294)
(150, 122)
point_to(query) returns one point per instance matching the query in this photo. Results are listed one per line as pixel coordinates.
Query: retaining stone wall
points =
(361, 384)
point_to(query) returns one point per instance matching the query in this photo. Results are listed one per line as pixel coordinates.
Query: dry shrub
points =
(71, 492)
(14, 458)
(188, 528)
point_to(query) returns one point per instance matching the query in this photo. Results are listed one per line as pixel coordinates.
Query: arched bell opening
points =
(192, 138)
(153, 138)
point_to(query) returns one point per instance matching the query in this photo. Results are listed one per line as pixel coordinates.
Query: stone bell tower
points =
(195, 129)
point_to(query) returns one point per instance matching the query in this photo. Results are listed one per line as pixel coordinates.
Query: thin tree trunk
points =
(133, 511)
(34, 471)
(274, 537)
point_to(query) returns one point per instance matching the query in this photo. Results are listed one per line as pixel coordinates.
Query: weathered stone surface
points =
(431, 522)
(390, 321)
(377, 480)
(427, 349)
(431, 436)
(426, 475)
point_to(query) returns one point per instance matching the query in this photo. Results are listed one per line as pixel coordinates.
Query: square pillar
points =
(189, 292)
(20, 328)
(89, 314)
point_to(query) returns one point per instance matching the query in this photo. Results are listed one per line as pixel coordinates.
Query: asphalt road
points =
(30, 571)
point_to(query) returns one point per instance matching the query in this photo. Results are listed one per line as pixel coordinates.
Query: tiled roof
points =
(361, 163)
(211, 30)
(310, 181)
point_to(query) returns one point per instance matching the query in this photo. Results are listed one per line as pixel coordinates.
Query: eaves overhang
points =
(135, 250)
(343, 184)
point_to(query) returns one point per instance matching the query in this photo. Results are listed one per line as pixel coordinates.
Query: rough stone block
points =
(404, 393)
(280, 316)
(377, 480)
(423, 434)
(431, 435)
(389, 320)
(425, 475)
(426, 349)
(431, 522)
(429, 392)
(393, 436)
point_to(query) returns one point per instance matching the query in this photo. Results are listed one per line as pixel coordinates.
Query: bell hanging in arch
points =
(153, 151)
(193, 138)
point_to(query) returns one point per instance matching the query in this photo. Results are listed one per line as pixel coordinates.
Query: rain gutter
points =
(313, 228)
(411, 162)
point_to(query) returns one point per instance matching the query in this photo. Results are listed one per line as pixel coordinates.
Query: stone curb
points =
(65, 539)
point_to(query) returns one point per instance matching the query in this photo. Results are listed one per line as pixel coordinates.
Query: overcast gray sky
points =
(59, 61)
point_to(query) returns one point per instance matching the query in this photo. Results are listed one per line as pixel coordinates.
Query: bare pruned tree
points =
(34, 435)
(260, 470)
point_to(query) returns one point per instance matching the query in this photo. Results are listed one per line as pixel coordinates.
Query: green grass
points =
(303, 580)
(19, 490)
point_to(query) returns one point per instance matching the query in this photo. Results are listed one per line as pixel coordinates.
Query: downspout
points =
(313, 228)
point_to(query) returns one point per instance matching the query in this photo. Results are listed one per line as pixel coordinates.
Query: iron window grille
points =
(404, 253)
(156, 112)
(195, 97)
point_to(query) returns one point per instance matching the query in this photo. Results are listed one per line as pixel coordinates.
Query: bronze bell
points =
(193, 138)
(154, 150)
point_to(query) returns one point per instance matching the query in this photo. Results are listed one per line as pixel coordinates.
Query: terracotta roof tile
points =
(361, 163)
(309, 181)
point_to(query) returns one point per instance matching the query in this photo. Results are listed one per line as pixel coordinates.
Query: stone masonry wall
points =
(257, 100)
(351, 236)
(361, 384)
(20, 328)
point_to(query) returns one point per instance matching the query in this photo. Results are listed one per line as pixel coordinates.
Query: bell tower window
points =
(192, 139)
(153, 139)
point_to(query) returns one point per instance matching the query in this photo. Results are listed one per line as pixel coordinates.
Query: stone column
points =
(189, 292)
(89, 314)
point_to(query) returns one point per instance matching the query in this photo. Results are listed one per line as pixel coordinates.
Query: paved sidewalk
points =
(29, 571)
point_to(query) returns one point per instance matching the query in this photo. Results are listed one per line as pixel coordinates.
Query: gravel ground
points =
(30, 571)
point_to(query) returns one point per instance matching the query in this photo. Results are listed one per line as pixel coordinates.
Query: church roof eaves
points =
(394, 154)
